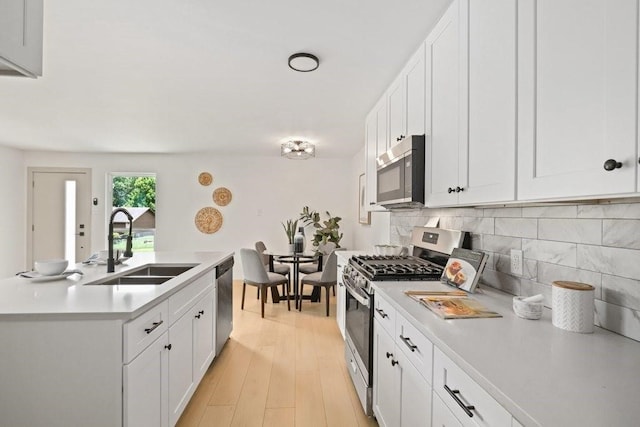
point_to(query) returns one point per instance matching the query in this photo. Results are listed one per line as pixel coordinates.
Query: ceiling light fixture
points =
(303, 62)
(297, 150)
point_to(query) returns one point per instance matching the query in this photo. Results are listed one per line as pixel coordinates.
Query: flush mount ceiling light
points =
(303, 62)
(297, 150)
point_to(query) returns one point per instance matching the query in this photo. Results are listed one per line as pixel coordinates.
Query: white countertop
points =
(73, 297)
(541, 374)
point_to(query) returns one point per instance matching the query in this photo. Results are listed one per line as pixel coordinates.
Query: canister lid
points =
(575, 286)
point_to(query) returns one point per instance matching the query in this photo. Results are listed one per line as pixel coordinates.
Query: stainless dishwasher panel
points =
(224, 303)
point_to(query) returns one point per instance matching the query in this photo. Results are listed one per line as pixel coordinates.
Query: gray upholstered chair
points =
(326, 278)
(325, 250)
(277, 267)
(256, 275)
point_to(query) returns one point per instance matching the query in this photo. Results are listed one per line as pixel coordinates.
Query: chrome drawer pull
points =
(155, 325)
(408, 343)
(466, 408)
(382, 313)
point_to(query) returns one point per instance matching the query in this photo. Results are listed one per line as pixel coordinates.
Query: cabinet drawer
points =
(417, 347)
(182, 301)
(464, 391)
(442, 416)
(140, 332)
(386, 314)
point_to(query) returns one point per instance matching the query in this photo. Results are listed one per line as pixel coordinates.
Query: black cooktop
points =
(391, 268)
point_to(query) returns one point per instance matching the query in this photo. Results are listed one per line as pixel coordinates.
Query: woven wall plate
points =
(222, 196)
(208, 220)
(205, 178)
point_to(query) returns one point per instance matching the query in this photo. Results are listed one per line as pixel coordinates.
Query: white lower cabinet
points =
(402, 396)
(146, 385)
(469, 402)
(341, 296)
(160, 380)
(442, 416)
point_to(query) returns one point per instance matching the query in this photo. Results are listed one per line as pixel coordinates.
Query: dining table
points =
(295, 259)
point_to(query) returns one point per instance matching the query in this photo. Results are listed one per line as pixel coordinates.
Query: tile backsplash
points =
(597, 244)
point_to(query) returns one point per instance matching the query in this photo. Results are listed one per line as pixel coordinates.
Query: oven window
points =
(358, 325)
(391, 180)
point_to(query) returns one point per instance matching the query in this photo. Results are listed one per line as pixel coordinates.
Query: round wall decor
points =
(208, 220)
(205, 178)
(222, 196)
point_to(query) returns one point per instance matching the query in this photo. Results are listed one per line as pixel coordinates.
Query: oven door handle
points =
(356, 295)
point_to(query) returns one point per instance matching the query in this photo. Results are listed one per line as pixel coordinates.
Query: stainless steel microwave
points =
(400, 175)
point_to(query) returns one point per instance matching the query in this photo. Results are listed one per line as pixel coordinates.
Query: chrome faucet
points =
(128, 253)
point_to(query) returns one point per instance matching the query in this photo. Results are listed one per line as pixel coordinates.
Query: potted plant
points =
(290, 229)
(324, 231)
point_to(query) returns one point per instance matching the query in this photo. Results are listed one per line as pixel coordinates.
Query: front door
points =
(60, 214)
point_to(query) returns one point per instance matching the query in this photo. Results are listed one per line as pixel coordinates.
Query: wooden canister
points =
(572, 306)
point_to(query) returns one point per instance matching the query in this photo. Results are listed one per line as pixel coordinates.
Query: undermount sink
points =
(155, 274)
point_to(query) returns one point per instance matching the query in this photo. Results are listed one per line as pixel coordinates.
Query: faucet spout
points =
(111, 262)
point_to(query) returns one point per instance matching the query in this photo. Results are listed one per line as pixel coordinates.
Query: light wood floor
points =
(287, 369)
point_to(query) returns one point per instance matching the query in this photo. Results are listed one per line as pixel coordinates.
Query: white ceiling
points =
(195, 75)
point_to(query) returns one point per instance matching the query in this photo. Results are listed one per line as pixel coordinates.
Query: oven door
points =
(359, 326)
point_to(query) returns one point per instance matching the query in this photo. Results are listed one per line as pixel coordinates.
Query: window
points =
(136, 192)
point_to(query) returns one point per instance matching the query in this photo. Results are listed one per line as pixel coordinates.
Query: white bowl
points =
(387, 249)
(51, 267)
(527, 310)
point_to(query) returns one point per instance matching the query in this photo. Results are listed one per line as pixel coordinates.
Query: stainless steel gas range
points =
(431, 249)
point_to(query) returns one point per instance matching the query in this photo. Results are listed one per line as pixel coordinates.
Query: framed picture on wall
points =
(364, 216)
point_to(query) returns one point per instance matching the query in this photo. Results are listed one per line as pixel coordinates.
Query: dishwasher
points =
(224, 303)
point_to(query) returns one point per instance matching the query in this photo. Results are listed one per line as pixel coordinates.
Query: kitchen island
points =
(79, 353)
(528, 369)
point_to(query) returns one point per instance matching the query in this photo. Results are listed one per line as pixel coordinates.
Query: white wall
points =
(266, 191)
(378, 232)
(12, 211)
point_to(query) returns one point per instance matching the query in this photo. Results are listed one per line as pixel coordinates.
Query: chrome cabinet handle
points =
(155, 325)
(382, 313)
(466, 408)
(408, 343)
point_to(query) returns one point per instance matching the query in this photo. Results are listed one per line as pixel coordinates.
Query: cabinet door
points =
(487, 162)
(145, 399)
(386, 381)
(340, 299)
(445, 114)
(382, 134)
(21, 36)
(371, 152)
(203, 336)
(181, 383)
(577, 89)
(415, 395)
(442, 416)
(415, 93)
(396, 103)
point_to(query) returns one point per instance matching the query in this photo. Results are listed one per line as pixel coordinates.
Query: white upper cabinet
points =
(471, 104)
(488, 158)
(376, 144)
(397, 99)
(577, 91)
(21, 37)
(406, 100)
(444, 114)
(415, 93)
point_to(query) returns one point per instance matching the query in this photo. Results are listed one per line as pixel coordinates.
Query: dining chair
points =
(327, 278)
(256, 275)
(325, 250)
(277, 267)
